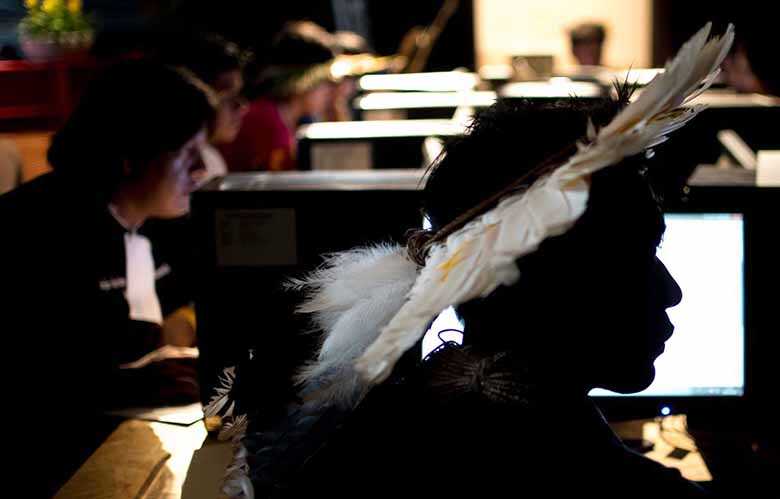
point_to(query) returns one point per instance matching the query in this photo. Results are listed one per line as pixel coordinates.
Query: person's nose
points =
(672, 294)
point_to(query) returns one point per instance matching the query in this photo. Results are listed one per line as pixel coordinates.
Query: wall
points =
(506, 27)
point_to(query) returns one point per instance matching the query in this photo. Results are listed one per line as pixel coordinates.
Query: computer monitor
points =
(367, 145)
(419, 105)
(705, 358)
(257, 230)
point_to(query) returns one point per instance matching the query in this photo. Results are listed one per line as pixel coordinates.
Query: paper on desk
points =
(692, 466)
(768, 169)
(709, 175)
(180, 415)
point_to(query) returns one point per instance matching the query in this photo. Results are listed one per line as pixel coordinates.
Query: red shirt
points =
(263, 143)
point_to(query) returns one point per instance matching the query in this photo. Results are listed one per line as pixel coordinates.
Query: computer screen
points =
(705, 356)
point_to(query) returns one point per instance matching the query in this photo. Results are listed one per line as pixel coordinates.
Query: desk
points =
(672, 445)
(140, 459)
(144, 459)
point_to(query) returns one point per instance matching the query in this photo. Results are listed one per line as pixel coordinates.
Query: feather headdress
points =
(374, 304)
(351, 297)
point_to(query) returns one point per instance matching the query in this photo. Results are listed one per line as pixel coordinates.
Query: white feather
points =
(233, 429)
(221, 397)
(236, 483)
(479, 257)
(351, 298)
(474, 261)
(695, 61)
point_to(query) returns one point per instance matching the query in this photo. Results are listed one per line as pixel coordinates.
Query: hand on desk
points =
(178, 329)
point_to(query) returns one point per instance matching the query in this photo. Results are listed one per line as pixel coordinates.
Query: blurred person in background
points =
(294, 83)
(219, 63)
(346, 44)
(587, 43)
(751, 67)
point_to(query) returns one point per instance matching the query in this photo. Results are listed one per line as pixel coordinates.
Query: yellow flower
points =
(74, 6)
(30, 4)
(48, 6)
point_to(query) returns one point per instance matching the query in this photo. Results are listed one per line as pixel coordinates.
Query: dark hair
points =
(762, 56)
(133, 112)
(350, 43)
(505, 142)
(302, 43)
(206, 55)
(298, 49)
(587, 33)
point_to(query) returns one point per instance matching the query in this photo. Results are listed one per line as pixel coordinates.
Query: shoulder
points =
(33, 191)
(34, 208)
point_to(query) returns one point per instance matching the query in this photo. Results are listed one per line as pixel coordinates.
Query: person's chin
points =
(233, 132)
(638, 381)
(227, 136)
(183, 207)
(176, 209)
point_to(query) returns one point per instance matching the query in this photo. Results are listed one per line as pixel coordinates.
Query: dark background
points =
(130, 23)
(126, 24)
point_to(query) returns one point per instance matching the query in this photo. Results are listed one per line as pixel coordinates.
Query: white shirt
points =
(140, 292)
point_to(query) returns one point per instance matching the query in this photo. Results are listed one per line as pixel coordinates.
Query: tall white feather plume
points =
(478, 258)
(351, 298)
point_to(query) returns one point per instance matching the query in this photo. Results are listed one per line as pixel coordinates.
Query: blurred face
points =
(599, 294)
(316, 100)
(169, 179)
(231, 107)
(587, 53)
(738, 74)
(345, 88)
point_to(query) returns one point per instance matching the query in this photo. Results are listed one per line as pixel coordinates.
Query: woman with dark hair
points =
(543, 237)
(292, 84)
(94, 278)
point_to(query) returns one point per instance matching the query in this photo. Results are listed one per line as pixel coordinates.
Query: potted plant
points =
(54, 28)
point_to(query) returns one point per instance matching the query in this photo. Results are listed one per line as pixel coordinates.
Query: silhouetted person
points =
(509, 409)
